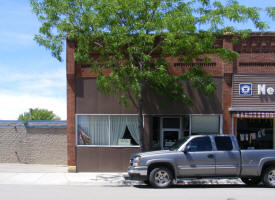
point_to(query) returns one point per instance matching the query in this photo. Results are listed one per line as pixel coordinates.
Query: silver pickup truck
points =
(203, 156)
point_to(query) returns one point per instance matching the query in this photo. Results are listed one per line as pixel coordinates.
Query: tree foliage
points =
(271, 12)
(38, 114)
(133, 38)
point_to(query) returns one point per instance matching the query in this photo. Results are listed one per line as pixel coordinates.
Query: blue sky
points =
(29, 76)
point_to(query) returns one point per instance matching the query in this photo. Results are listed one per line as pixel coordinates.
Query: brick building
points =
(33, 142)
(103, 134)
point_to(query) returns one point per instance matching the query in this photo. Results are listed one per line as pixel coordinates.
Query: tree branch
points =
(132, 100)
(155, 48)
(98, 44)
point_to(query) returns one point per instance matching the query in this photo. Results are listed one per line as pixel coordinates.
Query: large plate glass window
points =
(256, 133)
(205, 124)
(110, 130)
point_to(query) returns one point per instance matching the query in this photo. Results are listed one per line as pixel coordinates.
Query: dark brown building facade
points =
(102, 134)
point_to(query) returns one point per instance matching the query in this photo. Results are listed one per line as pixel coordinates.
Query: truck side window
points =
(223, 143)
(200, 144)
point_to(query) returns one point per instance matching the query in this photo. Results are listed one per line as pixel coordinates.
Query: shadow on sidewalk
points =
(205, 186)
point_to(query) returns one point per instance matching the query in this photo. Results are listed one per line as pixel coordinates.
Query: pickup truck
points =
(203, 156)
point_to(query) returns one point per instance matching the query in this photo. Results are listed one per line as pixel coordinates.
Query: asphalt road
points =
(206, 192)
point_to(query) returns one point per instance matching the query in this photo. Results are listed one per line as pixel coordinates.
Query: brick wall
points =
(256, 56)
(260, 48)
(33, 143)
(251, 60)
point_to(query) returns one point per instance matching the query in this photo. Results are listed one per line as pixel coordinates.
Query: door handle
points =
(210, 156)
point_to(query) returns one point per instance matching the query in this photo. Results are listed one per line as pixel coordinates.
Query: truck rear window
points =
(223, 143)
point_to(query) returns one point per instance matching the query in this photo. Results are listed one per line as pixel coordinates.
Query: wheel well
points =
(266, 165)
(167, 165)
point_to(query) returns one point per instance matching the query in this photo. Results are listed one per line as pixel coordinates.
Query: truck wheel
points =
(146, 182)
(161, 177)
(269, 176)
(251, 181)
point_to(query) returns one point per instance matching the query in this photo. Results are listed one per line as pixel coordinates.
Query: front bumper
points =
(137, 173)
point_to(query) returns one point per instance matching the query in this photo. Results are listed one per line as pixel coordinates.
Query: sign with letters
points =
(124, 142)
(265, 90)
(245, 89)
(253, 92)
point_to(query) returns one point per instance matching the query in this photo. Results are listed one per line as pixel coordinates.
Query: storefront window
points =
(205, 124)
(255, 133)
(107, 130)
(167, 130)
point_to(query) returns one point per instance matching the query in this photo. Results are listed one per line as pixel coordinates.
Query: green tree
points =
(38, 114)
(133, 38)
(271, 12)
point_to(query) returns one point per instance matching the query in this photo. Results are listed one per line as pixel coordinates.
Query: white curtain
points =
(205, 124)
(132, 124)
(82, 124)
(96, 127)
(118, 126)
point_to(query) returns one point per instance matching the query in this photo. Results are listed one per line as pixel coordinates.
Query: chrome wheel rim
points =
(162, 178)
(271, 177)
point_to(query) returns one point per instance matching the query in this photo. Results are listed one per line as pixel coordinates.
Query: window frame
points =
(109, 127)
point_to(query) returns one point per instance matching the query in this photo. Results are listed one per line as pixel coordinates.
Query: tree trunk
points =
(140, 119)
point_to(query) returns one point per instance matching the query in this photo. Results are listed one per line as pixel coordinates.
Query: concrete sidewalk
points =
(29, 174)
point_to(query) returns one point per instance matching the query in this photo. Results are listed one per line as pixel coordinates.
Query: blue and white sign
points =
(245, 89)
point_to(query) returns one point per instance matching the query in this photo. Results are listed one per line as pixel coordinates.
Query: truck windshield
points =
(178, 144)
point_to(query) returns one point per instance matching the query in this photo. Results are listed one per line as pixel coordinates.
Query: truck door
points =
(199, 160)
(227, 157)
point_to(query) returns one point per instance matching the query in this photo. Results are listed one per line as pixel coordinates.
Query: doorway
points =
(170, 131)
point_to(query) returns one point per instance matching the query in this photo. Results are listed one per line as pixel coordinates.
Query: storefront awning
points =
(254, 115)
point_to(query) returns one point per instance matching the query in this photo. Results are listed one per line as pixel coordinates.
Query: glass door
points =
(170, 133)
(169, 138)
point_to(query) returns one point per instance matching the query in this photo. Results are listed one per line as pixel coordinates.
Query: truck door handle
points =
(210, 156)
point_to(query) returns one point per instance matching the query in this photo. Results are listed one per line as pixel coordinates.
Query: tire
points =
(252, 181)
(269, 176)
(146, 182)
(161, 177)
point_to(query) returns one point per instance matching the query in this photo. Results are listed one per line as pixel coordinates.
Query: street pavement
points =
(31, 174)
(44, 182)
(87, 192)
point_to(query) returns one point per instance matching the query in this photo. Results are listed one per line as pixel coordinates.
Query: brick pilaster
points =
(228, 71)
(70, 65)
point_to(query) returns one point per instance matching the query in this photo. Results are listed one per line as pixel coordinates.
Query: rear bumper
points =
(137, 173)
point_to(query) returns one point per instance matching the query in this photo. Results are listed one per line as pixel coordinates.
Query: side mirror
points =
(187, 149)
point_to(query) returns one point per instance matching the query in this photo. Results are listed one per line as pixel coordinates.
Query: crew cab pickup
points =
(203, 156)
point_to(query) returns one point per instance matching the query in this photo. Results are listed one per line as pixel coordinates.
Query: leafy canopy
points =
(133, 38)
(38, 114)
(271, 12)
